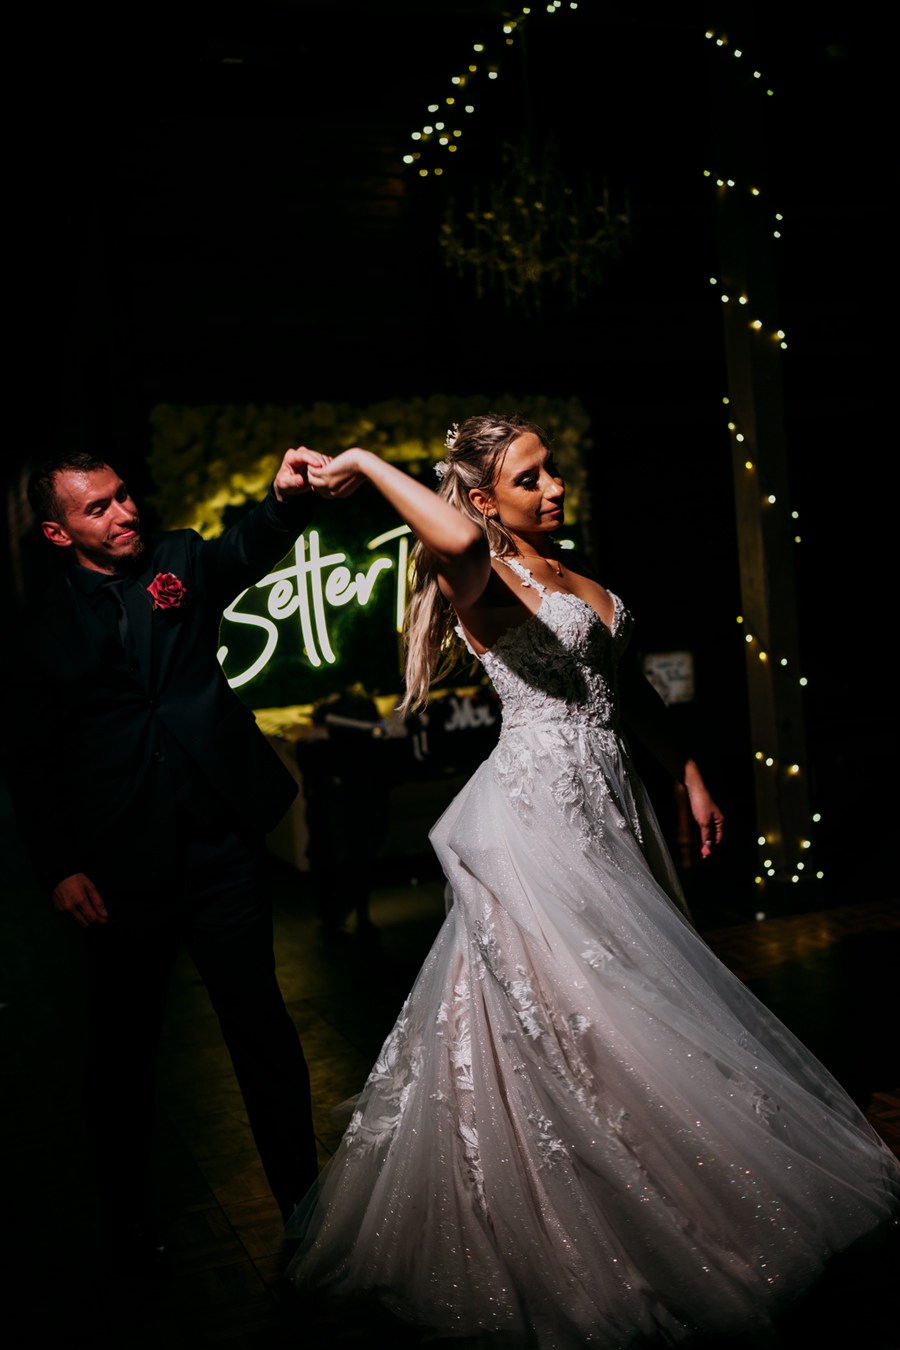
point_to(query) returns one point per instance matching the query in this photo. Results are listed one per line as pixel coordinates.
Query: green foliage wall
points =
(205, 459)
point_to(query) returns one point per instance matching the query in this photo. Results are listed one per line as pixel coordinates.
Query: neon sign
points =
(304, 589)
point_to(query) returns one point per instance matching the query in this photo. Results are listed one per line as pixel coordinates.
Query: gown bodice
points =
(559, 666)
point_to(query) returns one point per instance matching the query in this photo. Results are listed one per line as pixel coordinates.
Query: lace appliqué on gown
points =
(556, 677)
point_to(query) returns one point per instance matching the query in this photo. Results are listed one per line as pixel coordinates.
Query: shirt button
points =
(160, 757)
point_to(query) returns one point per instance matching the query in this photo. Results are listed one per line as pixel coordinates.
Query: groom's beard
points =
(128, 560)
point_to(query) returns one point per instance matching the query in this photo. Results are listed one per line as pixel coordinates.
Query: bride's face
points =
(529, 492)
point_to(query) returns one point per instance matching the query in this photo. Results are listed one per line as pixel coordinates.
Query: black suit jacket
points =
(91, 780)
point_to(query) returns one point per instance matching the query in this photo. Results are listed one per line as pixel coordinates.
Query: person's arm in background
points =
(646, 717)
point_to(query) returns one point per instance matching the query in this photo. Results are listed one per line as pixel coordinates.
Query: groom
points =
(143, 788)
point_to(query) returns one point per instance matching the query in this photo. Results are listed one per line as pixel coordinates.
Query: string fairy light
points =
(769, 500)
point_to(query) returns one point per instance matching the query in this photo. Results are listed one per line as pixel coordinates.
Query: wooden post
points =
(745, 226)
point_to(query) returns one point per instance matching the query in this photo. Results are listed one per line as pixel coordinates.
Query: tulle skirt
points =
(583, 1130)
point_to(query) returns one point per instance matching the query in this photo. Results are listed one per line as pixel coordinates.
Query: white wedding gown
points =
(583, 1130)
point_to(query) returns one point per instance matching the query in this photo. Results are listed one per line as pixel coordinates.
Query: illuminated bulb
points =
(804, 681)
(479, 47)
(726, 400)
(754, 192)
(771, 871)
(573, 4)
(756, 74)
(784, 346)
(767, 862)
(762, 840)
(770, 499)
(417, 135)
(731, 426)
(784, 660)
(736, 52)
(797, 539)
(776, 234)
(739, 437)
(759, 754)
(507, 28)
(712, 281)
(492, 74)
(779, 216)
(805, 843)
(769, 763)
(426, 131)
(442, 141)
(706, 173)
(742, 300)
(748, 464)
(763, 656)
(740, 618)
(780, 333)
(731, 182)
(724, 299)
(439, 126)
(795, 768)
(757, 323)
(720, 182)
(749, 637)
(817, 817)
(820, 875)
(407, 159)
(710, 33)
(719, 42)
(455, 80)
(795, 878)
(800, 867)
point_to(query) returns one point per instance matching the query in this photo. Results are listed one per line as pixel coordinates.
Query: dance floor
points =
(830, 976)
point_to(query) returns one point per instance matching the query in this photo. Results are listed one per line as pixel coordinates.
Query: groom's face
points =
(99, 519)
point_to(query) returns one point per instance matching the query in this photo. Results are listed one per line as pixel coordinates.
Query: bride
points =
(582, 1130)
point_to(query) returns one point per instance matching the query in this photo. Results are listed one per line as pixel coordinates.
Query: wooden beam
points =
(745, 225)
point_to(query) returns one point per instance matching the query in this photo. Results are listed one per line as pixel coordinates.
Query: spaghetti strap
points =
(524, 573)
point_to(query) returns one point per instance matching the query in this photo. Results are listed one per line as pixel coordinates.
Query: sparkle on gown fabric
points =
(583, 1130)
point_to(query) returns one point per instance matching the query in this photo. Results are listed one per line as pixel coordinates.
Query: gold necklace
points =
(551, 562)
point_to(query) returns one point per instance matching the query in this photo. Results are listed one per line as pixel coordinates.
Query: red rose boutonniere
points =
(167, 591)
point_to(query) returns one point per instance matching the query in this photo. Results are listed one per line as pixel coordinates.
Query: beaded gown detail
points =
(583, 1130)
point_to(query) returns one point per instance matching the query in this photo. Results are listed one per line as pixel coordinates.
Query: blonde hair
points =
(473, 461)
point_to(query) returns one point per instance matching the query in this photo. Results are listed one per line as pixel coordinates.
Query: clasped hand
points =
(303, 470)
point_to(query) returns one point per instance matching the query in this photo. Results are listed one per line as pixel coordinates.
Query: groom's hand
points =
(292, 478)
(78, 896)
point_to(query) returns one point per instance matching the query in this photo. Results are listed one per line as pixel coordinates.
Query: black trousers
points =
(216, 903)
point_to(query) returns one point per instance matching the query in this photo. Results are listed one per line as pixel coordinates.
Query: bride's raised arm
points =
(457, 543)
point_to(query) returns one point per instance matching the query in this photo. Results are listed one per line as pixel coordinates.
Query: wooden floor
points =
(828, 975)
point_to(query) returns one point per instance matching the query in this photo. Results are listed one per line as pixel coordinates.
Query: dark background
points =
(212, 207)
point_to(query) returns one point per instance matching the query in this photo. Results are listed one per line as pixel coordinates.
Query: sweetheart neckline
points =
(609, 629)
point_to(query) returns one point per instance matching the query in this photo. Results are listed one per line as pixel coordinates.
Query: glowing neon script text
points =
(310, 597)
